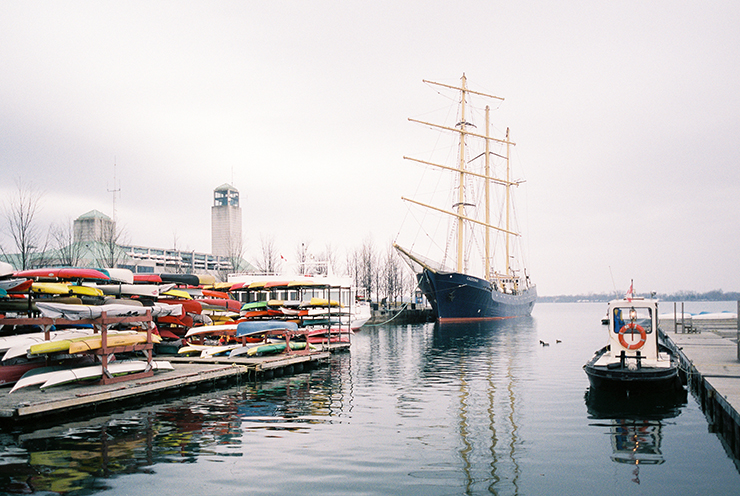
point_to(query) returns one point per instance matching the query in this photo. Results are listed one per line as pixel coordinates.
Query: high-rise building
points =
(226, 222)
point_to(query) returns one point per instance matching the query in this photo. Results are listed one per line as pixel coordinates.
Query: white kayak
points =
(79, 312)
(211, 329)
(25, 341)
(59, 377)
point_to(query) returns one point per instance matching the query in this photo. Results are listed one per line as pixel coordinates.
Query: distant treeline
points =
(716, 295)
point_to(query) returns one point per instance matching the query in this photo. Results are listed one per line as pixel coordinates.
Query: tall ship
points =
(464, 284)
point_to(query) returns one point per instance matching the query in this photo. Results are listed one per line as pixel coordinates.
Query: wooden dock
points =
(710, 358)
(191, 374)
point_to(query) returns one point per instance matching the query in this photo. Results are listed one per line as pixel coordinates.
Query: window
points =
(640, 316)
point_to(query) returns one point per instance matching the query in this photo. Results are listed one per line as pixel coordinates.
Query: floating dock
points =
(710, 357)
(190, 374)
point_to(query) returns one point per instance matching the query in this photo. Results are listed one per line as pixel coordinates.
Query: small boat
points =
(635, 357)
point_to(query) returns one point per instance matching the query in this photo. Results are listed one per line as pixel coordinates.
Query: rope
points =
(397, 314)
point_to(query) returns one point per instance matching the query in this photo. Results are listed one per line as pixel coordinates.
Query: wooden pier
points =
(710, 358)
(190, 374)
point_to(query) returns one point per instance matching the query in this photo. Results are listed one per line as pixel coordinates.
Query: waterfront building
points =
(95, 242)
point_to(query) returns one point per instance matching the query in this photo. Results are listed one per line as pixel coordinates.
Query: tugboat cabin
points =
(633, 326)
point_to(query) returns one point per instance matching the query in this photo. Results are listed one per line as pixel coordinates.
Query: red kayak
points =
(63, 273)
(16, 285)
(147, 278)
(231, 305)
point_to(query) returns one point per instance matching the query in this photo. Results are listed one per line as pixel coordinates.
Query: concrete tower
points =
(226, 222)
(92, 226)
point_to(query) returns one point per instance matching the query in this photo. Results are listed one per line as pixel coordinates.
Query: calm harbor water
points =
(421, 409)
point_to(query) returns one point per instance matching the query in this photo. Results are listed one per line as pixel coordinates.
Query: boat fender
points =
(632, 327)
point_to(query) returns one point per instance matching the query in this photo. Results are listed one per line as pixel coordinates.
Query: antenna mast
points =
(116, 189)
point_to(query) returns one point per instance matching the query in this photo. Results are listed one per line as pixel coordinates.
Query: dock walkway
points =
(709, 357)
(189, 374)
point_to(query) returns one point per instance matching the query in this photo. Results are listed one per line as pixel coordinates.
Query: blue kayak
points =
(257, 326)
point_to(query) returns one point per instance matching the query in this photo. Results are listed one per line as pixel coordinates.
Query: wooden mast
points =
(508, 204)
(461, 182)
(487, 254)
(459, 212)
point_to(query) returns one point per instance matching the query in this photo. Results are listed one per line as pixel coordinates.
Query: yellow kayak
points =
(321, 302)
(95, 343)
(50, 288)
(178, 293)
(59, 288)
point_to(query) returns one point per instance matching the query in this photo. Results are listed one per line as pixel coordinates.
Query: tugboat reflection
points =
(635, 423)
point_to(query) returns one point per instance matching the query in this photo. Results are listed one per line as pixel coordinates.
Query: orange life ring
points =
(632, 327)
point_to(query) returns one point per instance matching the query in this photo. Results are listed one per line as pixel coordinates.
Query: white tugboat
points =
(635, 357)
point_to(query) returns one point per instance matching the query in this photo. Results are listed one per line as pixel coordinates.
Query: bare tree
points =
(328, 259)
(269, 262)
(20, 214)
(235, 257)
(301, 255)
(369, 276)
(108, 251)
(69, 252)
(393, 285)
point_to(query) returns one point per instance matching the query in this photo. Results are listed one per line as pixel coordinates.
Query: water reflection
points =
(490, 360)
(80, 456)
(635, 423)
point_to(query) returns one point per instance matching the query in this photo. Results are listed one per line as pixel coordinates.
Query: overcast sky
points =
(625, 117)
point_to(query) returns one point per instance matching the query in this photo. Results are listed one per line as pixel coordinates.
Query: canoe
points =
(188, 306)
(60, 343)
(185, 279)
(218, 350)
(78, 312)
(94, 371)
(244, 350)
(255, 314)
(20, 285)
(119, 275)
(10, 374)
(23, 348)
(96, 342)
(147, 278)
(229, 304)
(5, 269)
(210, 293)
(54, 288)
(192, 348)
(40, 375)
(254, 305)
(148, 290)
(63, 273)
(257, 326)
(178, 293)
(320, 302)
(268, 349)
(216, 330)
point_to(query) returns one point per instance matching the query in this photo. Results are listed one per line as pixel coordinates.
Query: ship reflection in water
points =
(635, 423)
